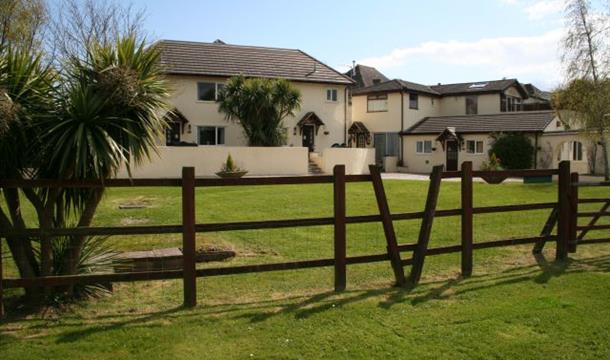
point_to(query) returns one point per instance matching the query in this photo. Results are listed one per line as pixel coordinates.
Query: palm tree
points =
(260, 106)
(104, 110)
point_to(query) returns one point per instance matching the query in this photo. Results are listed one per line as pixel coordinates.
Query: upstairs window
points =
(510, 103)
(472, 105)
(331, 95)
(413, 101)
(208, 91)
(377, 103)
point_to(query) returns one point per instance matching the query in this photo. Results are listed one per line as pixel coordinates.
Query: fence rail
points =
(563, 213)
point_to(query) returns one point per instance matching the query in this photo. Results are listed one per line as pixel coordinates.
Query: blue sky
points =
(424, 41)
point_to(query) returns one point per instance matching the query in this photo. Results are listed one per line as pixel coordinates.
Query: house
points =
(427, 125)
(197, 71)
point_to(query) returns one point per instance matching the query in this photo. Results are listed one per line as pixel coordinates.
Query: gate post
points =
(572, 241)
(189, 275)
(466, 218)
(1, 286)
(564, 218)
(340, 228)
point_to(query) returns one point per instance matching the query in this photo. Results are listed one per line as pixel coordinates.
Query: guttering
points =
(345, 115)
(402, 123)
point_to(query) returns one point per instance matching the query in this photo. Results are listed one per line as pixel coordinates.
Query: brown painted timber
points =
(563, 220)
(189, 277)
(419, 254)
(547, 230)
(339, 227)
(573, 238)
(594, 220)
(467, 218)
(388, 226)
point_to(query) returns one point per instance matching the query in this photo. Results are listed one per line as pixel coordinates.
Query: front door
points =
(308, 136)
(172, 134)
(452, 156)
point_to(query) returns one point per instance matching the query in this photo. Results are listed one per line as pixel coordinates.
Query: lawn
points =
(514, 305)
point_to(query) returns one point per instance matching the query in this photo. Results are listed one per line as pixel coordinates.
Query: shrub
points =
(494, 163)
(515, 150)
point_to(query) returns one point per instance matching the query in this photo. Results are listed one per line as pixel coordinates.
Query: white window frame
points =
(378, 98)
(422, 150)
(329, 95)
(216, 128)
(216, 88)
(474, 144)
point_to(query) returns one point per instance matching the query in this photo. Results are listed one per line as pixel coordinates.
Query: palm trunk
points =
(77, 242)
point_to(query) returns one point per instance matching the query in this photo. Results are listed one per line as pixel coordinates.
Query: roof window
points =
(477, 86)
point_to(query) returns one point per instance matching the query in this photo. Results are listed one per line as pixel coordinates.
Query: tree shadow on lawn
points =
(302, 307)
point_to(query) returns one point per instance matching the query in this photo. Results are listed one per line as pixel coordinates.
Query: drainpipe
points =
(402, 125)
(536, 151)
(345, 116)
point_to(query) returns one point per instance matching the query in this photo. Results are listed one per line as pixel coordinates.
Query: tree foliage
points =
(22, 23)
(260, 106)
(513, 151)
(586, 56)
(104, 111)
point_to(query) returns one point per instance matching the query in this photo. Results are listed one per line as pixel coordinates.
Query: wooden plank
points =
(594, 220)
(589, 184)
(388, 226)
(593, 200)
(467, 218)
(594, 241)
(419, 254)
(593, 227)
(563, 220)
(340, 227)
(188, 237)
(589, 214)
(1, 282)
(511, 242)
(547, 229)
(573, 238)
(509, 208)
(515, 173)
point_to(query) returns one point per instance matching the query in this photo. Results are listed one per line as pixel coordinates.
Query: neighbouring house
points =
(198, 70)
(447, 124)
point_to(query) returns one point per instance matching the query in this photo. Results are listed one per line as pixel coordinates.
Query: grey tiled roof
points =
(526, 121)
(477, 87)
(365, 75)
(218, 59)
(395, 85)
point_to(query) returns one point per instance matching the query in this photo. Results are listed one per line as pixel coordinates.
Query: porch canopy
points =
(358, 129)
(175, 116)
(310, 119)
(449, 134)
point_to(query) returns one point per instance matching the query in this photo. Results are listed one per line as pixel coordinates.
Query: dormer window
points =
(472, 105)
(413, 101)
(510, 103)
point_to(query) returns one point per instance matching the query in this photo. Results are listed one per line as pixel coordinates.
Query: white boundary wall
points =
(356, 160)
(207, 160)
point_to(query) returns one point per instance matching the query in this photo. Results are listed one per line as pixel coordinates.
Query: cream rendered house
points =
(197, 71)
(448, 124)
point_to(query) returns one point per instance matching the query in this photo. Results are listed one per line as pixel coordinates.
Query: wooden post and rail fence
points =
(563, 213)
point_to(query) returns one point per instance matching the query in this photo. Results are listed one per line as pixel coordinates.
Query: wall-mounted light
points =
(188, 128)
(294, 131)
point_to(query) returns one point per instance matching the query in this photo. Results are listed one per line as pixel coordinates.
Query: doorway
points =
(452, 156)
(308, 136)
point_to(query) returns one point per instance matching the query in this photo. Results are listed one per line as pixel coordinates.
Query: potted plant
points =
(230, 170)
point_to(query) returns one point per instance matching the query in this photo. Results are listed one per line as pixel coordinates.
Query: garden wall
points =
(207, 160)
(356, 160)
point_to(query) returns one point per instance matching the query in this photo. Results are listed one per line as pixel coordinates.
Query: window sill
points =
(423, 154)
(376, 111)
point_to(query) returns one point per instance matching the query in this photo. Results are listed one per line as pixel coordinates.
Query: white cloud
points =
(544, 8)
(522, 56)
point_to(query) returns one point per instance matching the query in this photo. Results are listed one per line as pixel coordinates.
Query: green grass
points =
(514, 306)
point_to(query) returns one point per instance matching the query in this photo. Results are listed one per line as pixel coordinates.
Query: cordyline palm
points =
(260, 106)
(104, 111)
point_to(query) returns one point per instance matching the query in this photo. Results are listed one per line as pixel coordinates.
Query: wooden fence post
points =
(340, 228)
(419, 255)
(188, 237)
(563, 221)
(466, 218)
(1, 286)
(572, 241)
(388, 226)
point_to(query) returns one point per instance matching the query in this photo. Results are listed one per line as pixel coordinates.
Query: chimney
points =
(439, 84)
(353, 68)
